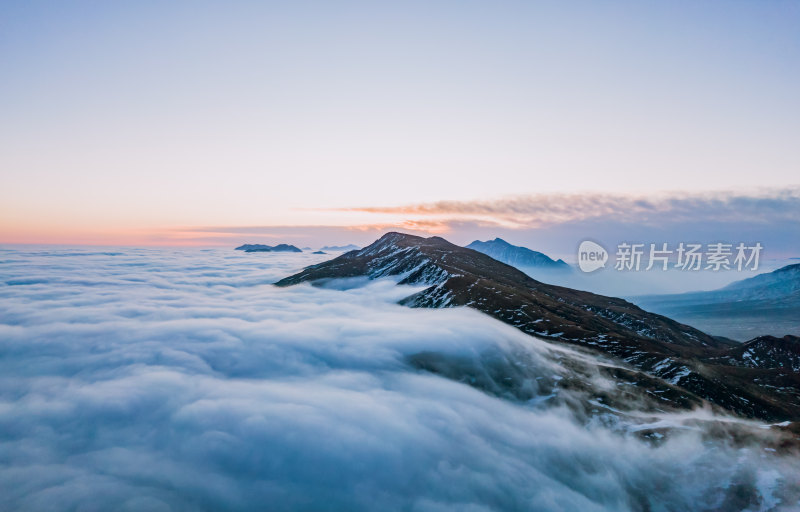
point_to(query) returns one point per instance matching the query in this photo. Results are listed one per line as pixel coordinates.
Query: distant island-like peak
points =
(268, 248)
(340, 248)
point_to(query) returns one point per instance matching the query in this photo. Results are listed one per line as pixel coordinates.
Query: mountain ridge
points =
(658, 346)
(768, 303)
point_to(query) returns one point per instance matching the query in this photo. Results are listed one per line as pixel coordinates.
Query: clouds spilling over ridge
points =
(181, 380)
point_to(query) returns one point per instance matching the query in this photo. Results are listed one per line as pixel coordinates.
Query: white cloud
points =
(159, 380)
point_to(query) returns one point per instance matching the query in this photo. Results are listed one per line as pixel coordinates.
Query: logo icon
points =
(591, 256)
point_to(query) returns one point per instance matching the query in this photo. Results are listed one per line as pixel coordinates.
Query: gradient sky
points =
(125, 120)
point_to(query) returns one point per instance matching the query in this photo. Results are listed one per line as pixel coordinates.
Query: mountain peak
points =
(515, 255)
(395, 238)
(395, 235)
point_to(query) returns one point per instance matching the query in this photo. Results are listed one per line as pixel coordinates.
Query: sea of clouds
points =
(156, 380)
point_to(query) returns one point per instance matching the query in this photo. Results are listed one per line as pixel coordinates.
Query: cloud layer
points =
(180, 380)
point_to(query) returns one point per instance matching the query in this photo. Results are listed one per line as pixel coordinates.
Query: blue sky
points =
(121, 120)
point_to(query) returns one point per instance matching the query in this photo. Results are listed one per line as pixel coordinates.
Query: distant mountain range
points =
(517, 256)
(679, 365)
(764, 304)
(268, 248)
(336, 248)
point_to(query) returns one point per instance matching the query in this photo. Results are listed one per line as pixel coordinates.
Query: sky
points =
(197, 122)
